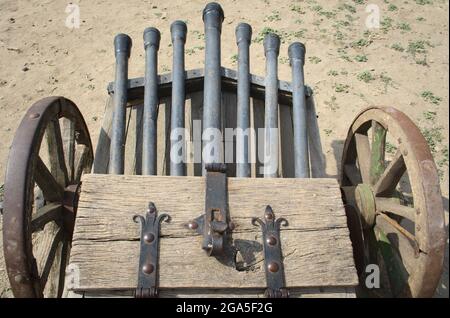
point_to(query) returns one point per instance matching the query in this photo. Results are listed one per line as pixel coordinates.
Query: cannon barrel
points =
(122, 47)
(178, 30)
(213, 17)
(152, 38)
(271, 51)
(296, 52)
(243, 40)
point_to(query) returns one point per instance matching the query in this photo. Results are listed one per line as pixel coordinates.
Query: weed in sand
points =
(430, 97)
(397, 47)
(365, 76)
(361, 58)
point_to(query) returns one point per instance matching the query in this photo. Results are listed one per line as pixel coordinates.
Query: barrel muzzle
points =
(122, 44)
(178, 30)
(152, 37)
(271, 43)
(213, 15)
(243, 33)
(297, 51)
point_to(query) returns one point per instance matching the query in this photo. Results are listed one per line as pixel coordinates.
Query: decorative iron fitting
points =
(149, 257)
(215, 224)
(273, 258)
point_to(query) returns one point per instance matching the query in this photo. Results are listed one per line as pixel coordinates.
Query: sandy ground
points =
(402, 64)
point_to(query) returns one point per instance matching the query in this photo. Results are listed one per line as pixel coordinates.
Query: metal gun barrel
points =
(213, 17)
(296, 52)
(243, 40)
(178, 30)
(271, 51)
(122, 47)
(152, 38)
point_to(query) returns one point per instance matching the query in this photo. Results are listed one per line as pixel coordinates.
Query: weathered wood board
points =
(316, 246)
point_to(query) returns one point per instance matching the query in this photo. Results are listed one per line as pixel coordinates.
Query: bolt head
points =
(149, 237)
(271, 240)
(148, 268)
(273, 267)
(193, 225)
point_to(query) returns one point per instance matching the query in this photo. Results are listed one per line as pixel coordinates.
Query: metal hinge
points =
(149, 256)
(273, 258)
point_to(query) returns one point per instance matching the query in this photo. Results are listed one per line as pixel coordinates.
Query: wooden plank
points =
(133, 143)
(316, 243)
(101, 157)
(257, 122)
(229, 120)
(317, 161)
(286, 142)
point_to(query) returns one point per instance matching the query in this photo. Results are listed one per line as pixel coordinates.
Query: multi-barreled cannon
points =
(232, 160)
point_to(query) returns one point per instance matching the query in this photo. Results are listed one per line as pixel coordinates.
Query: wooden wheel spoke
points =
(52, 190)
(51, 256)
(352, 174)
(390, 206)
(363, 153)
(46, 214)
(377, 151)
(391, 176)
(56, 153)
(68, 138)
(62, 268)
(82, 162)
(403, 241)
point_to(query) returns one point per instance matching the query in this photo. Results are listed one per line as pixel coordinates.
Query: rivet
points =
(271, 240)
(193, 225)
(35, 115)
(148, 268)
(269, 216)
(273, 267)
(148, 238)
(151, 209)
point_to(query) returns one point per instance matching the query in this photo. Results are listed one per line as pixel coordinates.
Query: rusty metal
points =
(215, 224)
(422, 254)
(19, 189)
(273, 257)
(147, 286)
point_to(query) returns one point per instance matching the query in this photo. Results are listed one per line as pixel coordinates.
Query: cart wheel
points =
(41, 191)
(395, 214)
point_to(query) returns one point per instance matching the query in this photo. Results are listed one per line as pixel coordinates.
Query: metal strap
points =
(273, 258)
(149, 257)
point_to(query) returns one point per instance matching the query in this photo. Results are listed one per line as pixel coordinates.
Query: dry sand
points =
(40, 56)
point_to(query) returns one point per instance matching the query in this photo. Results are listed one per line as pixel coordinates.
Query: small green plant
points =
(361, 58)
(386, 24)
(417, 47)
(315, 59)
(332, 73)
(359, 1)
(327, 131)
(433, 136)
(275, 16)
(341, 88)
(266, 30)
(348, 7)
(234, 58)
(284, 60)
(332, 103)
(444, 160)
(199, 35)
(429, 115)
(430, 97)
(365, 76)
(297, 9)
(404, 26)
(392, 7)
(390, 148)
(424, 2)
(361, 43)
(386, 80)
(397, 47)
(420, 19)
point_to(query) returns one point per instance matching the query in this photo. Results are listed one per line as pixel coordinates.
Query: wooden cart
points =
(69, 228)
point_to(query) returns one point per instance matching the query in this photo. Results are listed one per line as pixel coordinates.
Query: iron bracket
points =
(215, 223)
(273, 258)
(147, 286)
